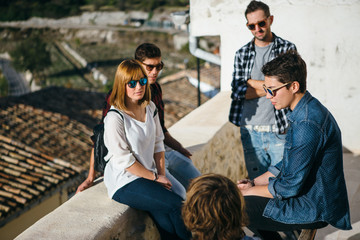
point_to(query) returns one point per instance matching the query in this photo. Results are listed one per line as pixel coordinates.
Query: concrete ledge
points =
(199, 126)
(92, 215)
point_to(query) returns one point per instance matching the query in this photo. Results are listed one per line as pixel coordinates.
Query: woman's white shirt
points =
(140, 140)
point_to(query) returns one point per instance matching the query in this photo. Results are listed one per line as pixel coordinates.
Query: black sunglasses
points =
(133, 83)
(150, 67)
(260, 24)
(272, 91)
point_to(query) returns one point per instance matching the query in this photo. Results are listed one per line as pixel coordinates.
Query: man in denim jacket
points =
(306, 190)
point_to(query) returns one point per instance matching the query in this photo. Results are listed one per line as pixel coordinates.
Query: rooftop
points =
(28, 175)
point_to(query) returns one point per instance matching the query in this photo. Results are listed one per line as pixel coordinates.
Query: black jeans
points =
(267, 227)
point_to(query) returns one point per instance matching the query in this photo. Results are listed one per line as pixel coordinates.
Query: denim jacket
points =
(309, 185)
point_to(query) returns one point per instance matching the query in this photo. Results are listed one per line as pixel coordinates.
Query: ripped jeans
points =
(261, 150)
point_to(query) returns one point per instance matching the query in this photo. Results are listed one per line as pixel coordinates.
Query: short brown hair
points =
(127, 70)
(287, 67)
(214, 208)
(257, 5)
(147, 50)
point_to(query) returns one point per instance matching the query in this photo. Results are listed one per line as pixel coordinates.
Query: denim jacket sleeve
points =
(301, 147)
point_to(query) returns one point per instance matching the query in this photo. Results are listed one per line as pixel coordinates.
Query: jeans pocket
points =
(281, 137)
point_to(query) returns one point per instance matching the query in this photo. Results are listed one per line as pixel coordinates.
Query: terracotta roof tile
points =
(26, 177)
(38, 121)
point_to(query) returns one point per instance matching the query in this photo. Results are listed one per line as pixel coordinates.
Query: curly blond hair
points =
(214, 208)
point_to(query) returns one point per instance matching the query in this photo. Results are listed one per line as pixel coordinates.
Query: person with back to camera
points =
(214, 209)
(179, 167)
(307, 189)
(135, 172)
(262, 128)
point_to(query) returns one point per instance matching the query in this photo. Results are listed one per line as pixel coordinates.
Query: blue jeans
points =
(163, 205)
(179, 170)
(261, 150)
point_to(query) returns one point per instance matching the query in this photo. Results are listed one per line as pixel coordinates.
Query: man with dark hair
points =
(307, 189)
(179, 167)
(262, 127)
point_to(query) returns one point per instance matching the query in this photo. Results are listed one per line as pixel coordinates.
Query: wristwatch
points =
(252, 182)
(156, 177)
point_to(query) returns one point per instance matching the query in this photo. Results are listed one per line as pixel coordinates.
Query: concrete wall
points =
(216, 147)
(323, 34)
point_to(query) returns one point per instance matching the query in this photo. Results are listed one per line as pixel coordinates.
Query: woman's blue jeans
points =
(162, 204)
(180, 170)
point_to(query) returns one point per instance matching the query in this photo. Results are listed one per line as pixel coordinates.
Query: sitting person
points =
(135, 172)
(214, 209)
(307, 189)
(179, 167)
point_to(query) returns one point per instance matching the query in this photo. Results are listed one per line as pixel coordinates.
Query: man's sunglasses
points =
(272, 92)
(133, 83)
(261, 24)
(150, 67)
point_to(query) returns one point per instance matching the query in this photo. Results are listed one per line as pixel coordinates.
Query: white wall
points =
(325, 33)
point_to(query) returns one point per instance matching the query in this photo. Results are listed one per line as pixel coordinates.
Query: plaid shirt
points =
(243, 64)
(156, 97)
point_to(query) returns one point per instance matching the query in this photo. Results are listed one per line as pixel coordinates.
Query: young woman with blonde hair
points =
(135, 172)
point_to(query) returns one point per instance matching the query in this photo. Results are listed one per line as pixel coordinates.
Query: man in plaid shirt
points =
(262, 127)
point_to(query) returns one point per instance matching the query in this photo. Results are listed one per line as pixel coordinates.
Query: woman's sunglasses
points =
(272, 92)
(150, 67)
(133, 83)
(260, 24)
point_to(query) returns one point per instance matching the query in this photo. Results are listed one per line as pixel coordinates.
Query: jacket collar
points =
(292, 115)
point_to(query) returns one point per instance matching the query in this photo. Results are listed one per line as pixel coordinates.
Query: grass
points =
(63, 73)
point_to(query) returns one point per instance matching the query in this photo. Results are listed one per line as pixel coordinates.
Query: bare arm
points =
(259, 187)
(174, 144)
(254, 89)
(261, 191)
(91, 175)
(140, 171)
(263, 179)
(160, 162)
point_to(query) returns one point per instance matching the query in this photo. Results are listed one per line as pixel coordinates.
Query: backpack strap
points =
(122, 117)
(113, 110)
(155, 112)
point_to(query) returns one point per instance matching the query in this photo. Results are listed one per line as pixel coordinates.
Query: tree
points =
(32, 54)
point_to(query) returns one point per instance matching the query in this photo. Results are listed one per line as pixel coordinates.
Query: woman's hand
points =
(163, 180)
